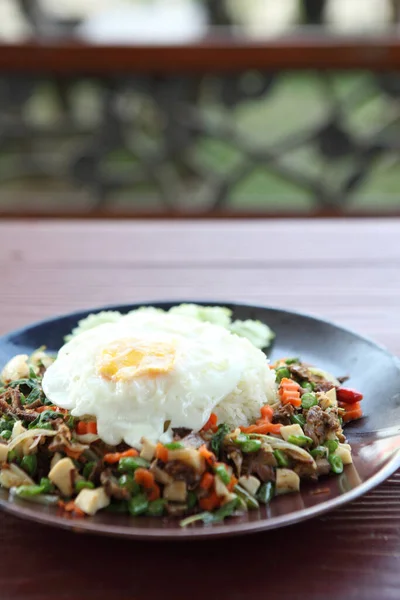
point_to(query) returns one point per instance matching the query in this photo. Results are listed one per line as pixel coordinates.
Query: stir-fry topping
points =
(48, 456)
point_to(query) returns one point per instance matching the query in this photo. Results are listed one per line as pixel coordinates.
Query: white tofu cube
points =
(61, 476)
(90, 501)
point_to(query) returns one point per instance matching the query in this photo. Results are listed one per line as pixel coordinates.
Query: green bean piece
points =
(298, 420)
(266, 492)
(336, 463)
(6, 425)
(88, 469)
(129, 464)
(241, 438)
(29, 464)
(292, 361)
(319, 452)
(5, 434)
(191, 500)
(138, 505)
(218, 438)
(223, 474)
(251, 446)
(248, 499)
(156, 508)
(332, 445)
(13, 456)
(308, 400)
(27, 491)
(226, 510)
(127, 481)
(84, 485)
(300, 440)
(307, 385)
(281, 373)
(174, 446)
(46, 485)
(281, 458)
(122, 506)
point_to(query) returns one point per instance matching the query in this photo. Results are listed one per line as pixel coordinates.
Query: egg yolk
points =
(126, 359)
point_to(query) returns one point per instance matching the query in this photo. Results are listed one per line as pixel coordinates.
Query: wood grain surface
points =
(348, 271)
(216, 53)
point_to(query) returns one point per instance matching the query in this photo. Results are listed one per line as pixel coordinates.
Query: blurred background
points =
(266, 123)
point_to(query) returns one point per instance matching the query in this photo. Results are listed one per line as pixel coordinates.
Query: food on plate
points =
(168, 413)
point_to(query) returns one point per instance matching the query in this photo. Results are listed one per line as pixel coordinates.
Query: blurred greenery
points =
(297, 104)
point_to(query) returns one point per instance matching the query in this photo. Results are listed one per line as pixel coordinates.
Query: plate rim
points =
(25, 511)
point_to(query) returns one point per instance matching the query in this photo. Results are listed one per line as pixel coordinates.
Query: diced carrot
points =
(211, 423)
(145, 478)
(353, 412)
(162, 453)
(232, 483)
(208, 456)
(41, 409)
(154, 493)
(289, 392)
(262, 427)
(81, 427)
(75, 454)
(210, 502)
(267, 412)
(92, 427)
(114, 457)
(206, 481)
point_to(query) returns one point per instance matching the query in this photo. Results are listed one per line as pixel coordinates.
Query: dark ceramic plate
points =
(375, 438)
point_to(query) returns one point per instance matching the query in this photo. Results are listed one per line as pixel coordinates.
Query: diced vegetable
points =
(222, 473)
(336, 463)
(127, 481)
(91, 501)
(266, 492)
(82, 485)
(348, 395)
(211, 423)
(29, 464)
(189, 456)
(289, 392)
(114, 457)
(14, 477)
(308, 400)
(307, 385)
(250, 483)
(138, 505)
(282, 372)
(174, 446)
(281, 459)
(60, 475)
(176, 491)
(344, 452)
(331, 445)
(156, 508)
(129, 464)
(319, 452)
(300, 440)
(218, 438)
(287, 481)
(331, 395)
(148, 449)
(291, 430)
(297, 420)
(248, 499)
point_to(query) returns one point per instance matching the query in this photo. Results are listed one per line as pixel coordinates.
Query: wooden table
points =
(345, 270)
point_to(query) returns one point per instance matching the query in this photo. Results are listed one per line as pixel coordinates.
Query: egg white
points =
(210, 364)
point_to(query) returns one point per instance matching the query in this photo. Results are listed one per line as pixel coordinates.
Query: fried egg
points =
(150, 372)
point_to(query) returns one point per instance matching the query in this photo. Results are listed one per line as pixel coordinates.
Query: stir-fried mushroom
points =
(179, 471)
(282, 414)
(112, 487)
(259, 463)
(320, 423)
